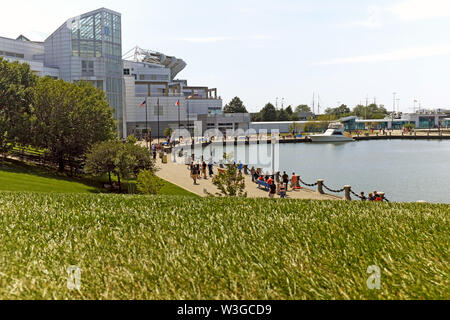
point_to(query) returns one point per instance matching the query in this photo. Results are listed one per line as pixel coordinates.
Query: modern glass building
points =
(89, 48)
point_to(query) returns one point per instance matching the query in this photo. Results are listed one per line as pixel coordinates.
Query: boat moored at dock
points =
(335, 133)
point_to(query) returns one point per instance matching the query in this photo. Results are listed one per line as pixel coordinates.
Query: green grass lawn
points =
(169, 189)
(18, 176)
(136, 247)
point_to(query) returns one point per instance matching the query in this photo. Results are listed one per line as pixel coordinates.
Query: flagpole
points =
(146, 122)
(158, 122)
(188, 118)
(179, 121)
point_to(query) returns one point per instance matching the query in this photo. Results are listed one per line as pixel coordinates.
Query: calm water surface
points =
(407, 171)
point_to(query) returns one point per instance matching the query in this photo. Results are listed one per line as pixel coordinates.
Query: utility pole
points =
(393, 108)
(314, 103)
(276, 103)
(318, 104)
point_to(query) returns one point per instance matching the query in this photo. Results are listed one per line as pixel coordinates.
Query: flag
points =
(178, 103)
(143, 104)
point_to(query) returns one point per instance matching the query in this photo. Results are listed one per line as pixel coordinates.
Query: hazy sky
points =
(258, 50)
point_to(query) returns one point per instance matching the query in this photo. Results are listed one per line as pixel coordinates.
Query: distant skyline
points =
(259, 50)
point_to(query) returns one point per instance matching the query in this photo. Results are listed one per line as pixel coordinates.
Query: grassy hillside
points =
(18, 176)
(132, 247)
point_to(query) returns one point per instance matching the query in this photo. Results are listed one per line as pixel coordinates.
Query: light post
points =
(273, 141)
(158, 123)
(393, 105)
(146, 123)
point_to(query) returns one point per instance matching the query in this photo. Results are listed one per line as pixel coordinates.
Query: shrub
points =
(148, 183)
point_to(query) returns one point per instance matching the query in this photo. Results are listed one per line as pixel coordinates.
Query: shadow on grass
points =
(91, 184)
(18, 167)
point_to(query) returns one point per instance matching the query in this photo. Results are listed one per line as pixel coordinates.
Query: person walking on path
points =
(210, 168)
(273, 188)
(285, 178)
(194, 173)
(204, 166)
(282, 191)
(253, 173)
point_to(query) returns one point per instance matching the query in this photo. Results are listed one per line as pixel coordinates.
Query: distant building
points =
(305, 116)
(421, 120)
(89, 48)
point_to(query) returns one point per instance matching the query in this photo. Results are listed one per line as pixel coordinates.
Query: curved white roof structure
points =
(174, 64)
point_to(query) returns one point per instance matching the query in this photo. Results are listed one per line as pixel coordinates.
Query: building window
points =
(87, 68)
(126, 72)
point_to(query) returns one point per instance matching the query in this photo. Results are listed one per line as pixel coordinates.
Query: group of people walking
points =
(201, 170)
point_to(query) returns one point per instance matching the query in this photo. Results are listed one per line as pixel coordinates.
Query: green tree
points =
(303, 108)
(283, 115)
(124, 160)
(168, 132)
(17, 84)
(132, 139)
(269, 113)
(340, 111)
(102, 158)
(230, 183)
(256, 117)
(69, 119)
(235, 106)
(372, 111)
(289, 111)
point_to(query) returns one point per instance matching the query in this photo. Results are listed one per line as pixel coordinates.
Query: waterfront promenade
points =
(179, 175)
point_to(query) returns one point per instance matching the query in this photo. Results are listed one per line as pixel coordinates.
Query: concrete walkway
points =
(179, 175)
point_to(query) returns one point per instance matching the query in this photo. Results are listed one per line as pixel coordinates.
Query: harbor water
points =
(406, 170)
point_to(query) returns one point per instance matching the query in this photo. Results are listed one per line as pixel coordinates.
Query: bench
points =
(263, 184)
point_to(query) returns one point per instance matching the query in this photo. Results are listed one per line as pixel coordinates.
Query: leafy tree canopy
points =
(124, 160)
(372, 111)
(283, 115)
(340, 111)
(289, 111)
(303, 108)
(69, 118)
(269, 113)
(17, 83)
(235, 106)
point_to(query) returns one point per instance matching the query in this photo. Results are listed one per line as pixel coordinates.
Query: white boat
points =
(335, 133)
